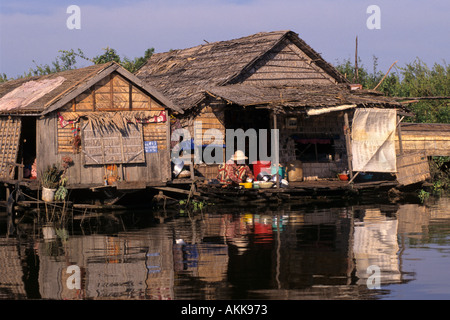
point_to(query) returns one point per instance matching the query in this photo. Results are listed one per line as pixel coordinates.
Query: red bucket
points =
(259, 166)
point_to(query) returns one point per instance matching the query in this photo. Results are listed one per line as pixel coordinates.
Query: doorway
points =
(27, 151)
(250, 118)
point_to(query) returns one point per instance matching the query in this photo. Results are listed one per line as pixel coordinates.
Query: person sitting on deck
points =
(233, 173)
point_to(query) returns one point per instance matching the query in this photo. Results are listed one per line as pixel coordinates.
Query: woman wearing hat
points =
(233, 173)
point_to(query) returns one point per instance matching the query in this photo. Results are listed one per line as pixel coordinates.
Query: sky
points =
(407, 29)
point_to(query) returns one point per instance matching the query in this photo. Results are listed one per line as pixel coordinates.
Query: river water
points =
(289, 252)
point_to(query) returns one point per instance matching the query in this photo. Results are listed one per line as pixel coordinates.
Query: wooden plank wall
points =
(155, 170)
(46, 143)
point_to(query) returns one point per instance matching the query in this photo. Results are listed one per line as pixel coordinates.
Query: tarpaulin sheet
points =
(373, 140)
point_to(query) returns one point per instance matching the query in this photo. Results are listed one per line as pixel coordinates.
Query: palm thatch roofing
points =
(307, 96)
(39, 95)
(188, 76)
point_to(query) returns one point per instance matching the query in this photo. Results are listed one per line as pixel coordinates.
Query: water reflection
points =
(288, 252)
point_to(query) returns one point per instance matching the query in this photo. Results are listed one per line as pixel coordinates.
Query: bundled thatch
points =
(108, 121)
(25, 101)
(44, 94)
(222, 68)
(292, 97)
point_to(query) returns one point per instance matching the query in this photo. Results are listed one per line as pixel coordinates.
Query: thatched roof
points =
(304, 96)
(185, 76)
(43, 94)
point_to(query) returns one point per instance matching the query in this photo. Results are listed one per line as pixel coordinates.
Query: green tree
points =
(3, 77)
(131, 65)
(68, 60)
(413, 80)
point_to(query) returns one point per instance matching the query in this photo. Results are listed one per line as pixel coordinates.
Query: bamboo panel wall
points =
(412, 168)
(433, 144)
(210, 118)
(286, 64)
(113, 93)
(65, 139)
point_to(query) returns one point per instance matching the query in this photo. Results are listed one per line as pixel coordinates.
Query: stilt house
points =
(101, 121)
(269, 80)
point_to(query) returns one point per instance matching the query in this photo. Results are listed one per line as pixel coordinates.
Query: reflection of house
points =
(375, 243)
(11, 273)
(413, 220)
(123, 267)
(315, 250)
(138, 265)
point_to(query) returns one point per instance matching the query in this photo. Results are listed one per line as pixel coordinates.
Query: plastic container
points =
(343, 176)
(261, 166)
(48, 194)
(266, 185)
(281, 171)
(295, 171)
(247, 185)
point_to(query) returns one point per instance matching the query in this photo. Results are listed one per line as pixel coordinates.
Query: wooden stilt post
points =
(399, 131)
(276, 150)
(348, 145)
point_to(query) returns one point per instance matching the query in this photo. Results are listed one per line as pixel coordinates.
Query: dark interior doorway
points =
(250, 118)
(27, 151)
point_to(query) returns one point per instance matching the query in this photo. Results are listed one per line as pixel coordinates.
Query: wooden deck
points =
(305, 190)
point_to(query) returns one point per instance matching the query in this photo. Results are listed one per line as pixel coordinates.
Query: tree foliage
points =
(68, 59)
(131, 65)
(413, 80)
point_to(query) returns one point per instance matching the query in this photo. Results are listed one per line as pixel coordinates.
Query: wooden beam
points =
(381, 81)
(176, 190)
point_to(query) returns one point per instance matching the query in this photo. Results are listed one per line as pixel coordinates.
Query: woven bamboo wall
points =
(433, 144)
(113, 93)
(286, 64)
(66, 139)
(9, 145)
(412, 168)
(210, 118)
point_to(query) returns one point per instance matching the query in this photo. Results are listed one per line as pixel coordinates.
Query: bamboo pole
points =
(356, 80)
(385, 76)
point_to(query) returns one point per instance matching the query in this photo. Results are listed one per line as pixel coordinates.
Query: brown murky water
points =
(291, 252)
